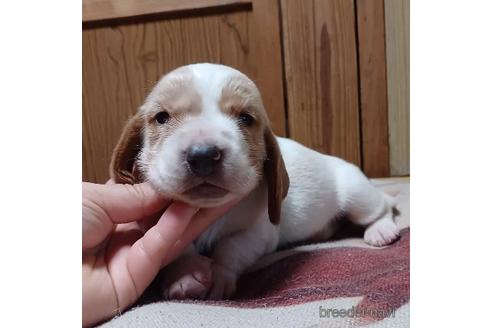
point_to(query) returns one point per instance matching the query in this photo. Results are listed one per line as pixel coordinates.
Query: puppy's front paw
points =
(224, 283)
(190, 278)
(382, 232)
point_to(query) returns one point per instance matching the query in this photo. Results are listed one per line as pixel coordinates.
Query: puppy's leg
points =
(234, 254)
(188, 277)
(368, 206)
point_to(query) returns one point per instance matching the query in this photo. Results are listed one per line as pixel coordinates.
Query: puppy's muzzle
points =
(203, 159)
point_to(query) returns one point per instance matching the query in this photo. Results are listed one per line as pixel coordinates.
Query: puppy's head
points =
(203, 137)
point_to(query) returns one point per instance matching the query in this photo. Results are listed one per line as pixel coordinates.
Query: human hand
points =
(119, 258)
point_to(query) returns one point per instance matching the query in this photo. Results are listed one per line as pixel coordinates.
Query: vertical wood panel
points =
(321, 73)
(397, 14)
(122, 63)
(268, 56)
(109, 98)
(373, 87)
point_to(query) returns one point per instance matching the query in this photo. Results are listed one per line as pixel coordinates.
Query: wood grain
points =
(122, 63)
(319, 40)
(268, 58)
(373, 87)
(94, 10)
(397, 14)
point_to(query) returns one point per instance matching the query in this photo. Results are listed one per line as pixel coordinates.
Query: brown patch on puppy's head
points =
(170, 101)
(241, 100)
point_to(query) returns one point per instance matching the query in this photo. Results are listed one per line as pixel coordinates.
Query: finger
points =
(150, 221)
(123, 203)
(146, 254)
(199, 223)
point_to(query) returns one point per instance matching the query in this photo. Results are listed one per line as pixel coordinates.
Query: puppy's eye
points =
(162, 117)
(246, 119)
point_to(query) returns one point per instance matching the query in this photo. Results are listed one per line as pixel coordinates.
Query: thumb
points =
(103, 206)
(122, 203)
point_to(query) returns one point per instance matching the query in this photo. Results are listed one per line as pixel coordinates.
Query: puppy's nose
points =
(203, 159)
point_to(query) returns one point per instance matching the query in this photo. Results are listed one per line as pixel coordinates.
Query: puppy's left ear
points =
(275, 175)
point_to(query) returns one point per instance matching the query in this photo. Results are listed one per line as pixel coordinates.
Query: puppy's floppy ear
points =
(123, 168)
(275, 175)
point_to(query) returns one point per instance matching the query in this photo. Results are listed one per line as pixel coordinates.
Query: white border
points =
(40, 135)
(451, 147)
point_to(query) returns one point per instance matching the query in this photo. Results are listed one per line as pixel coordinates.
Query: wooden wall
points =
(321, 65)
(398, 63)
(320, 52)
(373, 91)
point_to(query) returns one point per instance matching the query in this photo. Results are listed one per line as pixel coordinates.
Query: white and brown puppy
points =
(202, 136)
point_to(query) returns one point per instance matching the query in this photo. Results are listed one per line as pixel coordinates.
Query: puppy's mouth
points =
(206, 190)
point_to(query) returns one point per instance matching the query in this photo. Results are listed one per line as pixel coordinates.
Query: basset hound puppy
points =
(203, 137)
